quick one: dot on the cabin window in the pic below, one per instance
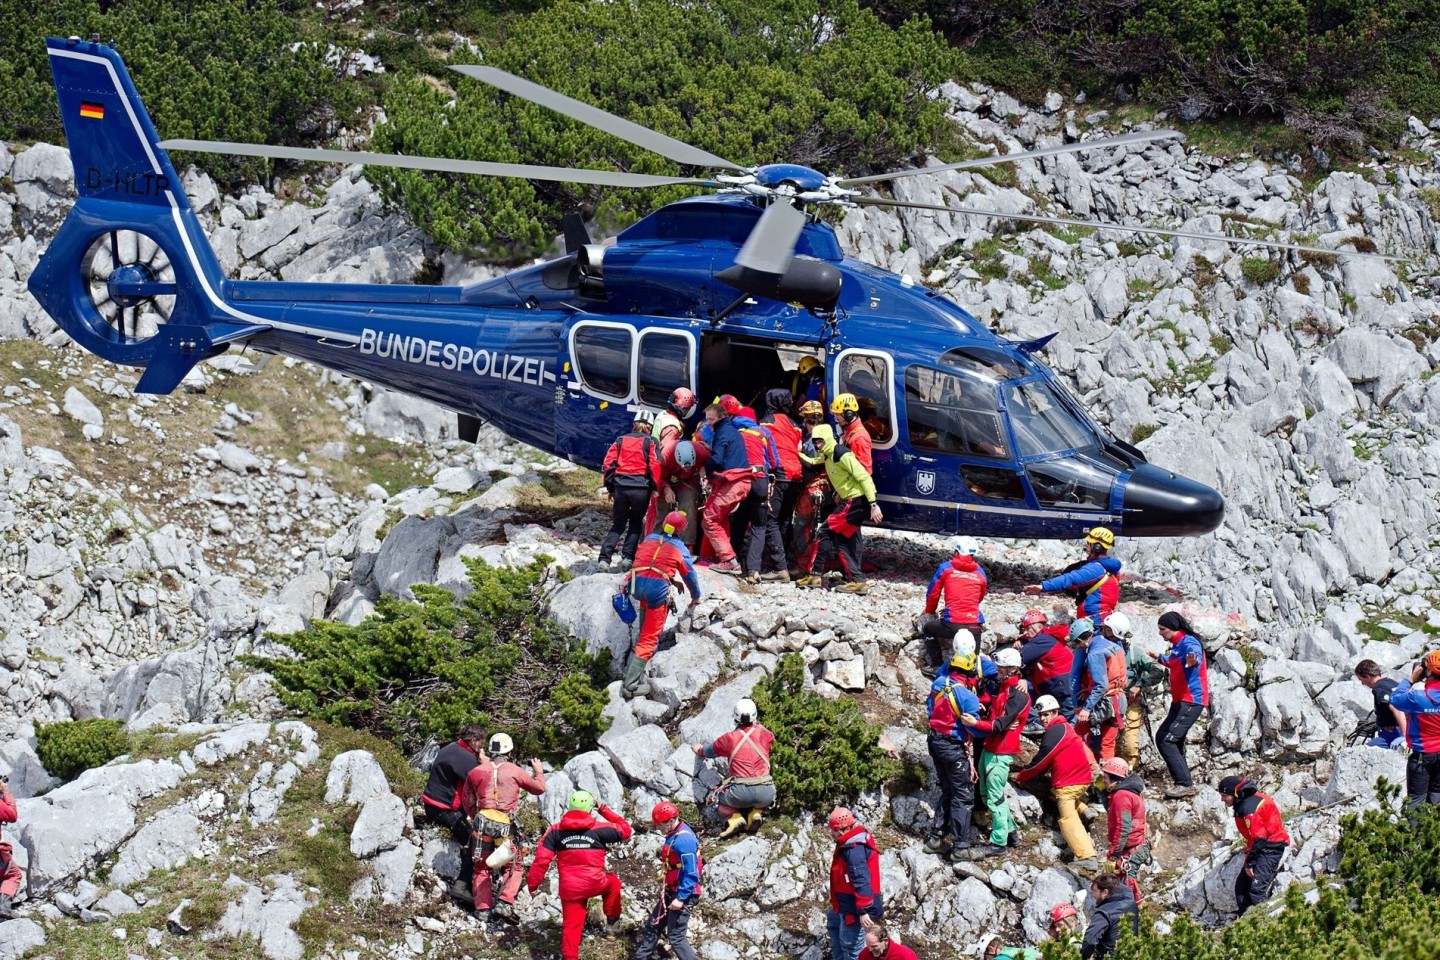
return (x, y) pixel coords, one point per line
(993, 483)
(664, 365)
(602, 358)
(1076, 482)
(984, 362)
(867, 376)
(953, 414)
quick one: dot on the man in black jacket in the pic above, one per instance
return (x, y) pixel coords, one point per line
(441, 798)
(1113, 904)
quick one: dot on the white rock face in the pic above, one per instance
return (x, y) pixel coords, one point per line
(268, 917)
(355, 776)
(167, 841)
(379, 826)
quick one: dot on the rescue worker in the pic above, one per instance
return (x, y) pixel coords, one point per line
(1064, 755)
(1141, 673)
(1098, 682)
(809, 382)
(680, 859)
(879, 946)
(1064, 923)
(1421, 707)
(948, 741)
(681, 467)
(1189, 696)
(758, 511)
(1047, 659)
(1129, 834)
(491, 799)
(441, 798)
(1094, 581)
(1114, 906)
(856, 904)
(744, 796)
(992, 947)
(730, 477)
(10, 875)
(1258, 819)
(842, 532)
(812, 504)
(1389, 722)
(661, 558)
(632, 474)
(962, 584)
(786, 485)
(578, 843)
(846, 410)
(1008, 710)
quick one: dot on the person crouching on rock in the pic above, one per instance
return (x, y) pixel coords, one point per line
(749, 787)
(661, 557)
(10, 875)
(578, 843)
(1257, 817)
(491, 798)
(681, 861)
(1128, 832)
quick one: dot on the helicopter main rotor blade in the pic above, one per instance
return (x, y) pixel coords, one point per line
(668, 147)
(1101, 144)
(483, 168)
(1118, 227)
(772, 240)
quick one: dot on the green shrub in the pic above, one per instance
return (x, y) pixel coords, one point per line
(1259, 270)
(416, 672)
(825, 752)
(69, 748)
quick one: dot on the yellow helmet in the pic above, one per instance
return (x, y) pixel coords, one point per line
(1101, 536)
(812, 408)
(845, 403)
(807, 363)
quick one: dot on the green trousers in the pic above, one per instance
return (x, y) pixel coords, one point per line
(994, 773)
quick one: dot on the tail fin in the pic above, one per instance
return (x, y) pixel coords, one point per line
(130, 276)
(113, 145)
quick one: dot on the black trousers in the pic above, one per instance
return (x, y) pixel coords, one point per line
(765, 541)
(787, 494)
(957, 790)
(674, 924)
(1170, 740)
(939, 635)
(834, 540)
(1422, 779)
(1264, 863)
(627, 516)
(459, 826)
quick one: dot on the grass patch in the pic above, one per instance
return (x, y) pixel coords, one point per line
(1371, 626)
(1221, 344)
(1301, 283)
(1045, 276)
(560, 494)
(405, 781)
(1141, 289)
(1259, 270)
(1232, 136)
(1430, 196)
(1143, 431)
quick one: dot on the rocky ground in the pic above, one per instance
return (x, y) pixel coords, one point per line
(145, 543)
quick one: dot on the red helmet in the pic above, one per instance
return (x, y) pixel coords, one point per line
(664, 812)
(1032, 617)
(747, 412)
(1061, 911)
(840, 819)
(682, 401)
(675, 522)
(1116, 767)
(729, 404)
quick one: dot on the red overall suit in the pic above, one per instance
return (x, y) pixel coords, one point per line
(494, 788)
(578, 842)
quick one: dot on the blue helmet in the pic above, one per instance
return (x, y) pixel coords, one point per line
(685, 454)
(1081, 629)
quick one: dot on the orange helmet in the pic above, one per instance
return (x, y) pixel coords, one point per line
(1061, 911)
(729, 404)
(841, 819)
(1031, 617)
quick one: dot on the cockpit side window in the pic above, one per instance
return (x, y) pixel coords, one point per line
(984, 362)
(602, 359)
(1042, 423)
(952, 414)
(868, 377)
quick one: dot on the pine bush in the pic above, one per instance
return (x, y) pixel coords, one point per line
(825, 752)
(69, 748)
(417, 672)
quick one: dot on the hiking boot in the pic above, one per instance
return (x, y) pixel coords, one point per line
(7, 908)
(728, 567)
(733, 826)
(1180, 793)
(959, 854)
(780, 576)
(460, 891)
(1089, 814)
(625, 564)
(935, 843)
(1088, 865)
(854, 586)
(809, 582)
(985, 851)
(1014, 840)
(754, 820)
(505, 912)
(612, 929)
(752, 578)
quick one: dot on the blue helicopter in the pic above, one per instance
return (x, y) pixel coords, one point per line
(724, 293)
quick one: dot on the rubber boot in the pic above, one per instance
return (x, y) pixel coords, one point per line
(7, 909)
(753, 821)
(733, 825)
(634, 684)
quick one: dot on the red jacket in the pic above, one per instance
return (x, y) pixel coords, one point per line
(893, 951)
(1258, 819)
(1126, 817)
(632, 461)
(855, 876)
(786, 433)
(748, 749)
(857, 438)
(8, 812)
(1048, 655)
(579, 843)
(497, 786)
(1064, 754)
(963, 586)
(1009, 709)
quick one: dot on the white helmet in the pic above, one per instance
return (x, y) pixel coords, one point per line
(966, 546)
(644, 416)
(500, 744)
(1008, 657)
(963, 644)
(1120, 626)
(1047, 703)
(745, 711)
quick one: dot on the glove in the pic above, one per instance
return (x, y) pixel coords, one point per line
(1400, 747)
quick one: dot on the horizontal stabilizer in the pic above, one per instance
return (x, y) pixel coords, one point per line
(179, 347)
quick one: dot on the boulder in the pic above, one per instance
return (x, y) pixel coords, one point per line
(592, 771)
(355, 776)
(20, 936)
(738, 869)
(637, 754)
(582, 606)
(719, 714)
(379, 826)
(268, 918)
(1358, 769)
(170, 839)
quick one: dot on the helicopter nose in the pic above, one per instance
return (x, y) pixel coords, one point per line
(1159, 503)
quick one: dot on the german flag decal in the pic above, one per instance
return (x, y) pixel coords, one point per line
(92, 111)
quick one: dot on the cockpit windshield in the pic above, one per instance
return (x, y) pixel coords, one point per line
(1042, 422)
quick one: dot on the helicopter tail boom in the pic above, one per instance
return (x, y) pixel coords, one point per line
(130, 275)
